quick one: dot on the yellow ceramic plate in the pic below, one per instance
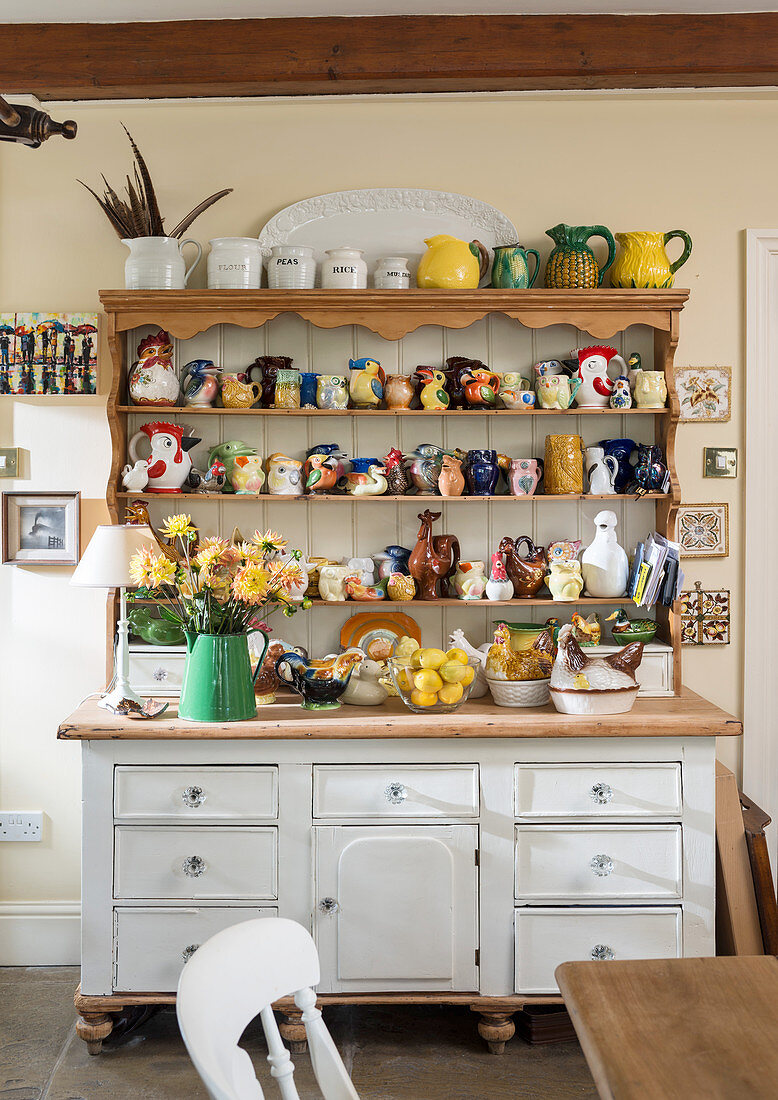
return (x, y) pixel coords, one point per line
(376, 633)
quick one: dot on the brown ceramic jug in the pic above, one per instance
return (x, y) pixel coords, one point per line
(434, 558)
(526, 573)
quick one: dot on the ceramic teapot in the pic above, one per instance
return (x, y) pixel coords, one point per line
(451, 264)
(643, 261)
(169, 463)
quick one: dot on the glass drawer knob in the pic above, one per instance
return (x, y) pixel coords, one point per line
(396, 793)
(193, 796)
(602, 865)
(328, 906)
(187, 953)
(602, 951)
(194, 866)
(601, 793)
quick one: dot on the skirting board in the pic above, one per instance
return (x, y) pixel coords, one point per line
(46, 933)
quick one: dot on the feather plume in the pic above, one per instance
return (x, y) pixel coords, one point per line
(184, 224)
(155, 218)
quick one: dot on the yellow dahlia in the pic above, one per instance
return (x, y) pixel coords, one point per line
(179, 526)
(141, 564)
(211, 549)
(250, 583)
(162, 572)
(269, 542)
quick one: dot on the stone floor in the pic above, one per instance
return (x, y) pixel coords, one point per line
(406, 1053)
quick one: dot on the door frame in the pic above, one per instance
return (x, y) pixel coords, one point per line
(760, 713)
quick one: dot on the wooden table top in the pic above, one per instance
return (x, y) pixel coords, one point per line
(677, 1029)
(685, 715)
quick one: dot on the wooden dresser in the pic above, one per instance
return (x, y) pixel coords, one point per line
(452, 859)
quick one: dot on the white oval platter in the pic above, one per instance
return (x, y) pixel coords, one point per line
(386, 221)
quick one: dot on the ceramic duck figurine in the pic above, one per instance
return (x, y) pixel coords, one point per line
(396, 477)
(237, 393)
(604, 563)
(433, 395)
(145, 624)
(451, 480)
(426, 464)
(587, 631)
(364, 689)
(534, 663)
(366, 384)
(371, 484)
(499, 587)
(356, 590)
(624, 628)
(635, 364)
(136, 478)
(200, 383)
(321, 473)
(247, 474)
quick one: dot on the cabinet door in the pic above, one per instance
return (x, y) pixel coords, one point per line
(397, 907)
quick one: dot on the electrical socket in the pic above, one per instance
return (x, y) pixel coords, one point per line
(21, 826)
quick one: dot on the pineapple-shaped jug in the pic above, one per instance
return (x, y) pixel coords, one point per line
(572, 265)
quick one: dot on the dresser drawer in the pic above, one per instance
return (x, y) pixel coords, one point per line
(582, 791)
(203, 793)
(547, 937)
(157, 670)
(152, 945)
(598, 862)
(395, 791)
(197, 863)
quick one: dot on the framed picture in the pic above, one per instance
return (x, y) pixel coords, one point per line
(703, 530)
(705, 393)
(48, 354)
(41, 528)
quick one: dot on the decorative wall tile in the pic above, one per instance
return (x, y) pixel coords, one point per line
(705, 393)
(705, 616)
(703, 530)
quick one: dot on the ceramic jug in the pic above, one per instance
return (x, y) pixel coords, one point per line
(563, 465)
(650, 389)
(470, 580)
(451, 264)
(572, 264)
(643, 261)
(602, 470)
(218, 685)
(169, 463)
(528, 572)
(596, 385)
(156, 263)
(604, 563)
(510, 269)
(482, 472)
(556, 391)
(621, 449)
(523, 476)
(399, 391)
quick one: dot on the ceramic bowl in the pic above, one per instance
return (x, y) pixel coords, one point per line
(627, 637)
(396, 666)
(519, 693)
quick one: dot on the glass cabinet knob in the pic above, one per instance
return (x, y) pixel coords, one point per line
(328, 906)
(601, 793)
(193, 797)
(396, 793)
(602, 865)
(187, 953)
(194, 866)
(602, 951)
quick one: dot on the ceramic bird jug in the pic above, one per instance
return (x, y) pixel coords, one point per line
(604, 563)
(451, 264)
(643, 261)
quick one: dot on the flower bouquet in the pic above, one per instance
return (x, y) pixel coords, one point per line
(219, 592)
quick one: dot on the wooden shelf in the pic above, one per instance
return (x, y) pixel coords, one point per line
(162, 412)
(424, 498)
(400, 605)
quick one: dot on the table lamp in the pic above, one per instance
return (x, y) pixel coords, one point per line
(106, 564)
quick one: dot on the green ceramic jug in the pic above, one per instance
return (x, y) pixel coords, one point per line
(218, 684)
(510, 270)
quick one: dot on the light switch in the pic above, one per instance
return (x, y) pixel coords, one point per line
(719, 462)
(9, 461)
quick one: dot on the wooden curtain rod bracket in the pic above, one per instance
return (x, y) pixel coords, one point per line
(28, 126)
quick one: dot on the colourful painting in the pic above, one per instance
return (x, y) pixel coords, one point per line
(48, 353)
(704, 393)
(705, 616)
(703, 530)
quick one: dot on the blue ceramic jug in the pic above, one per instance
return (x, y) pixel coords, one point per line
(482, 472)
(620, 449)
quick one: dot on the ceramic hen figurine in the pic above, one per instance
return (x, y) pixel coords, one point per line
(366, 384)
(587, 631)
(499, 586)
(593, 685)
(503, 663)
(433, 396)
(396, 477)
(321, 473)
(371, 484)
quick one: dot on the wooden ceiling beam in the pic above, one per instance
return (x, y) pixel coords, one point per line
(261, 57)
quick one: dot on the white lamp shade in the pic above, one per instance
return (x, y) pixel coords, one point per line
(106, 561)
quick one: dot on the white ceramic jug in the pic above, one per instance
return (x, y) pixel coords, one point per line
(602, 470)
(234, 263)
(604, 563)
(156, 263)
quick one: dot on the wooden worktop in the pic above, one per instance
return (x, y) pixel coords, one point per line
(686, 715)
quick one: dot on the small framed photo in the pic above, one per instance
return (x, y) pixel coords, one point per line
(41, 528)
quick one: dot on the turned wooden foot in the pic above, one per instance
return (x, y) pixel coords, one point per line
(292, 1030)
(93, 1027)
(496, 1028)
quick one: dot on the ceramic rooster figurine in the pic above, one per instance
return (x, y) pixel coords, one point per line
(371, 484)
(322, 473)
(434, 395)
(366, 385)
(499, 586)
(356, 590)
(396, 477)
(593, 685)
(504, 663)
(587, 631)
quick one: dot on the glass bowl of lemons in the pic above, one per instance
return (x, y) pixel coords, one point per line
(432, 681)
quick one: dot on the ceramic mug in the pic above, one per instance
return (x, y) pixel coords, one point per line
(234, 263)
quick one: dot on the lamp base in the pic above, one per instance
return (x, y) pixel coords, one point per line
(113, 698)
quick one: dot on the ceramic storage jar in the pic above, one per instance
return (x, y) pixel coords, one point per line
(291, 267)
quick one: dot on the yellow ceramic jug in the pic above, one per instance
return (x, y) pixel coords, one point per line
(451, 264)
(643, 261)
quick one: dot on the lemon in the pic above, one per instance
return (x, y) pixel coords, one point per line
(469, 676)
(404, 679)
(415, 660)
(450, 693)
(426, 679)
(424, 698)
(457, 654)
(454, 673)
(432, 658)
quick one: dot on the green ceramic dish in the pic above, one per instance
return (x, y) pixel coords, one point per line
(522, 634)
(627, 637)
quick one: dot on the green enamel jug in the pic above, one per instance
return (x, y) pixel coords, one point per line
(218, 683)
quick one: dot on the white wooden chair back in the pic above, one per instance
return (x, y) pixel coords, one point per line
(238, 974)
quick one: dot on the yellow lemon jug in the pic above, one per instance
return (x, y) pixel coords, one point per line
(451, 264)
